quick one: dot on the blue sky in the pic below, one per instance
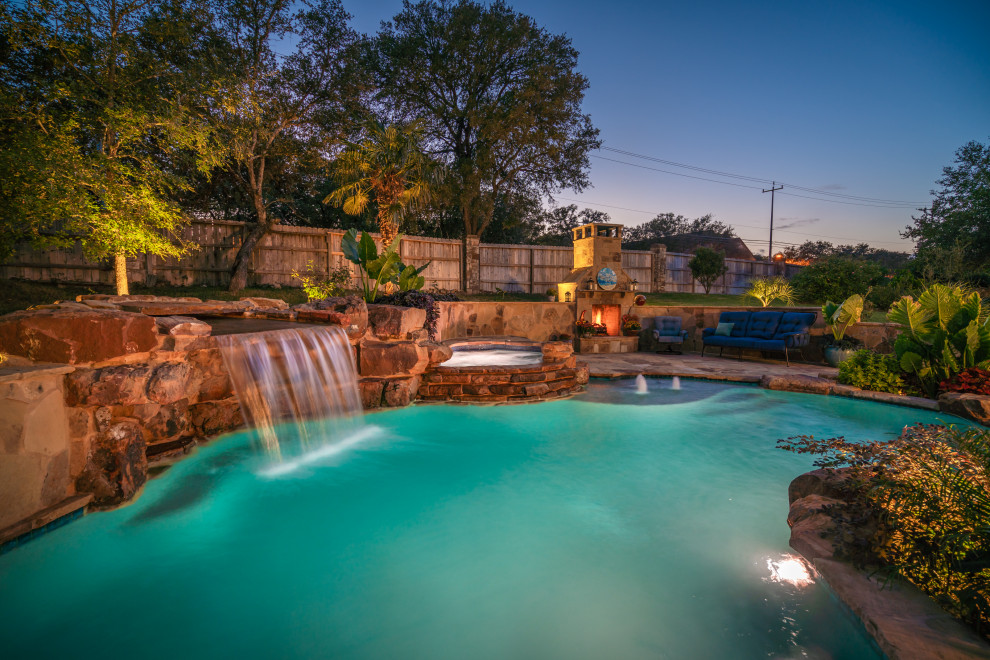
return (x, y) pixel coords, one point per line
(869, 99)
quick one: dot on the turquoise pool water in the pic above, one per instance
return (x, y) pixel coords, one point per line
(612, 525)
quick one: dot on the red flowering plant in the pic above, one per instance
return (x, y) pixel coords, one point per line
(971, 381)
(631, 325)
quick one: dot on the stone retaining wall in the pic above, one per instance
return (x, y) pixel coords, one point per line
(541, 320)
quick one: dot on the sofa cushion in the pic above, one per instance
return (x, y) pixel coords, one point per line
(724, 329)
(792, 322)
(666, 326)
(739, 321)
(762, 324)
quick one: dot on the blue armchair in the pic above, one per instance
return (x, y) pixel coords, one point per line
(667, 330)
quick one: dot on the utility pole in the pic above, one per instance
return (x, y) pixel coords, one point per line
(773, 189)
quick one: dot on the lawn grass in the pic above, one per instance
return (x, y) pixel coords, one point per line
(16, 294)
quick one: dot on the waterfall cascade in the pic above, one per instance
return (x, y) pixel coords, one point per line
(295, 383)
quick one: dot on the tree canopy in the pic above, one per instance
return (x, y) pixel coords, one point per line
(98, 136)
(499, 98)
(281, 117)
(960, 211)
(667, 227)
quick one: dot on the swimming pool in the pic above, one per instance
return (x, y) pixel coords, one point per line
(612, 525)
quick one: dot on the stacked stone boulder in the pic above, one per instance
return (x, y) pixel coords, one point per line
(140, 380)
(558, 376)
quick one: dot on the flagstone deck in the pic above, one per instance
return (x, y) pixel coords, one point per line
(692, 365)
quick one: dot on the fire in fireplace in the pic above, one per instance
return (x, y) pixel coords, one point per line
(610, 316)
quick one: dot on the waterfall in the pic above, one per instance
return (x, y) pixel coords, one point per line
(295, 383)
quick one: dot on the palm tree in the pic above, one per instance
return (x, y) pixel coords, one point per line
(389, 165)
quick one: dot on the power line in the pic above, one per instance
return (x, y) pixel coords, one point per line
(701, 178)
(788, 231)
(816, 191)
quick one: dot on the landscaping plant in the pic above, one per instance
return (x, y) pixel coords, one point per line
(928, 494)
(769, 289)
(942, 333)
(318, 288)
(631, 325)
(868, 370)
(835, 278)
(420, 300)
(971, 381)
(839, 318)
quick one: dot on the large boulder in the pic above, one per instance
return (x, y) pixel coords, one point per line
(181, 326)
(556, 351)
(403, 358)
(212, 418)
(352, 307)
(121, 385)
(169, 382)
(267, 303)
(971, 406)
(72, 336)
(393, 322)
(117, 467)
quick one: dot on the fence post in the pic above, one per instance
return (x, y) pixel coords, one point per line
(658, 264)
(531, 282)
(471, 264)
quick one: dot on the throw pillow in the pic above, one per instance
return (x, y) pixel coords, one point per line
(724, 329)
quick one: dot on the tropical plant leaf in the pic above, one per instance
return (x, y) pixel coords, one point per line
(349, 246)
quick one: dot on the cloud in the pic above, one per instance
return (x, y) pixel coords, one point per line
(794, 222)
(832, 186)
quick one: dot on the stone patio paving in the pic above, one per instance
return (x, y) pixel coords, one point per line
(692, 365)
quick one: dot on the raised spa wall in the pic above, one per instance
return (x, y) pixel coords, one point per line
(96, 390)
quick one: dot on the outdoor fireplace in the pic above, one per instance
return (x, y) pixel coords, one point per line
(609, 316)
(601, 290)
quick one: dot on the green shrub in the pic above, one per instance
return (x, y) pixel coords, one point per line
(928, 492)
(872, 371)
(707, 265)
(942, 333)
(835, 278)
(320, 288)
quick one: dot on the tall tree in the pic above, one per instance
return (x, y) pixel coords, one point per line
(280, 116)
(389, 166)
(960, 211)
(675, 231)
(94, 101)
(500, 99)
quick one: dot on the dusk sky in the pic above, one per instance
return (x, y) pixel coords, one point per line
(865, 99)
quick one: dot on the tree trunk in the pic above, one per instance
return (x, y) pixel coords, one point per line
(239, 273)
(120, 273)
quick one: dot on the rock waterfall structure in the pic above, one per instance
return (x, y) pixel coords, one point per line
(297, 387)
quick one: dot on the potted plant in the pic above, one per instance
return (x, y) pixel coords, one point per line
(838, 319)
(552, 295)
(631, 325)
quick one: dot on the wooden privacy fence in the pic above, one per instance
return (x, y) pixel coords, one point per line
(522, 268)
(735, 281)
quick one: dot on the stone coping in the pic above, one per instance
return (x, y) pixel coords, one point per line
(492, 341)
(44, 518)
(809, 379)
(904, 621)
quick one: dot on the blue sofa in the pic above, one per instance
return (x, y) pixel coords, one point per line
(764, 331)
(667, 330)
